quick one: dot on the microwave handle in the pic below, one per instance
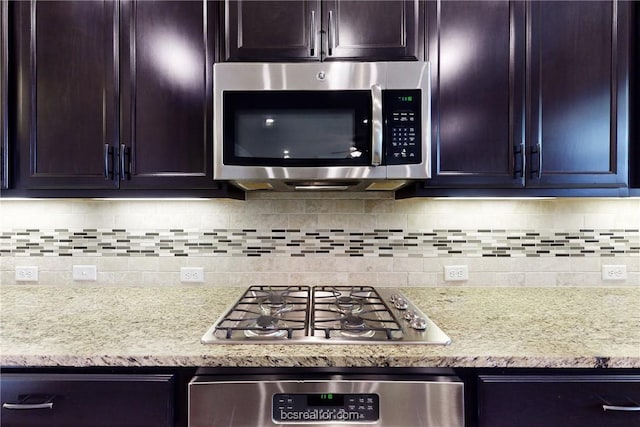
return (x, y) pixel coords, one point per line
(312, 34)
(376, 125)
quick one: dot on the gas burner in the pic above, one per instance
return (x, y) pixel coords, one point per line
(355, 326)
(266, 326)
(275, 303)
(348, 305)
(351, 303)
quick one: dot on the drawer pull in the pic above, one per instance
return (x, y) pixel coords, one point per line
(31, 401)
(45, 405)
(621, 408)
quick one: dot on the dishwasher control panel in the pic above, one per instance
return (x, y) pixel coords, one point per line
(300, 408)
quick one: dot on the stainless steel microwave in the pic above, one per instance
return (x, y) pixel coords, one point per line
(325, 125)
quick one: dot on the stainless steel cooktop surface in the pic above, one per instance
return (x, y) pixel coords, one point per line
(324, 315)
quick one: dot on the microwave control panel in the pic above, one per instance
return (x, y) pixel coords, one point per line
(403, 126)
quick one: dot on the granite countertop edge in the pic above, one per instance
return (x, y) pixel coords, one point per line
(146, 361)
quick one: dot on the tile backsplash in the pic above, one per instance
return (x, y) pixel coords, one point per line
(329, 238)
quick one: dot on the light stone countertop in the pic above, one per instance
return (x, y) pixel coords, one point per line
(162, 326)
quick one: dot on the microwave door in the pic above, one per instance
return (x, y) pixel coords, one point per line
(296, 129)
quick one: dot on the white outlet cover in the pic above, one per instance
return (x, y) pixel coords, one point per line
(192, 274)
(85, 273)
(26, 273)
(614, 272)
(455, 273)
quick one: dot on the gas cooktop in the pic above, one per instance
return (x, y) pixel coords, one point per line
(324, 315)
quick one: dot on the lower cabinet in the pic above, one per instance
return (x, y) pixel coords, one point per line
(558, 400)
(87, 400)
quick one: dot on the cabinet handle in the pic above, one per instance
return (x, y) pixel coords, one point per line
(331, 36)
(108, 152)
(537, 149)
(376, 125)
(123, 152)
(31, 401)
(312, 35)
(23, 406)
(621, 408)
(523, 162)
(539, 146)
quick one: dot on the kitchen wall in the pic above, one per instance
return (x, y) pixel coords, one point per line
(327, 238)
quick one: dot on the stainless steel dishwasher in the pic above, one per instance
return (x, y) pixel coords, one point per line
(326, 400)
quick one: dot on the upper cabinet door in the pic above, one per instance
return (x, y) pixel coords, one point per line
(578, 85)
(378, 30)
(272, 30)
(4, 62)
(166, 94)
(313, 30)
(65, 75)
(476, 52)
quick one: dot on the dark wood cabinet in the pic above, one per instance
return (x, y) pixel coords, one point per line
(529, 94)
(87, 400)
(4, 96)
(324, 30)
(634, 89)
(66, 77)
(558, 400)
(578, 93)
(477, 51)
(114, 95)
(166, 94)
(271, 30)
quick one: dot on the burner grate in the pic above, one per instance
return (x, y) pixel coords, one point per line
(353, 312)
(268, 312)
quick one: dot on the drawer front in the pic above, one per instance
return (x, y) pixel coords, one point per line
(86, 400)
(550, 400)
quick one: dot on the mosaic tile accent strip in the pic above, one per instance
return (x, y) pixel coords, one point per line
(314, 243)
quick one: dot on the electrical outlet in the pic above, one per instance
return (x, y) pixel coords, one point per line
(453, 273)
(26, 274)
(192, 274)
(86, 273)
(614, 272)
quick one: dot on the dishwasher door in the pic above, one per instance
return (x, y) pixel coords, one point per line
(339, 401)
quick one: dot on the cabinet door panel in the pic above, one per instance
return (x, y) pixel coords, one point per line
(88, 400)
(373, 30)
(272, 30)
(579, 100)
(477, 60)
(65, 73)
(4, 96)
(166, 95)
(567, 401)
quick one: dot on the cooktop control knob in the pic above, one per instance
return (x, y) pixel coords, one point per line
(410, 315)
(419, 323)
(401, 303)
